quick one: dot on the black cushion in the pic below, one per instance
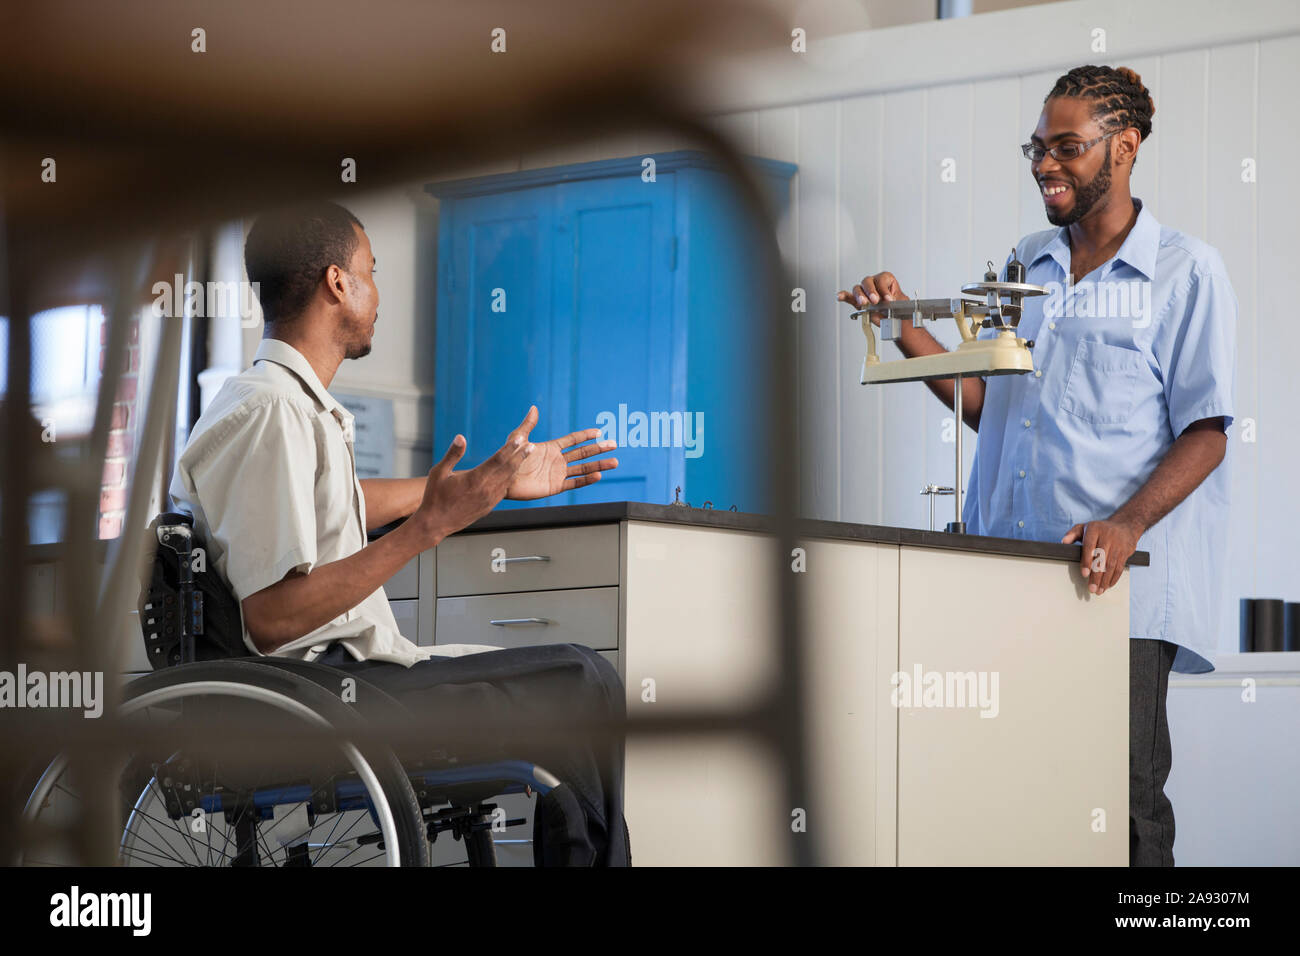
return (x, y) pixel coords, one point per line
(215, 617)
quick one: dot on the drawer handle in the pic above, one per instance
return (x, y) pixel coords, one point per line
(520, 620)
(531, 557)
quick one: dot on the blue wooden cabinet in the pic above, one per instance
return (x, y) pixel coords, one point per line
(608, 299)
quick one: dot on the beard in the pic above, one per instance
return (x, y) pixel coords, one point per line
(1085, 196)
(358, 345)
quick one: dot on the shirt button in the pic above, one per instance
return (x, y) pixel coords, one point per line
(1026, 422)
(1051, 325)
(1020, 524)
(1022, 473)
(1038, 373)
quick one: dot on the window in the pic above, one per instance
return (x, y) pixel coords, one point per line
(65, 366)
(65, 374)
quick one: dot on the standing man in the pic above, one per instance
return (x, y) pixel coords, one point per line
(1116, 438)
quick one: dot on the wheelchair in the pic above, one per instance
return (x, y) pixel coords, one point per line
(309, 803)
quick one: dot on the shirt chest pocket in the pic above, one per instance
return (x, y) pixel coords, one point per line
(1102, 383)
(337, 507)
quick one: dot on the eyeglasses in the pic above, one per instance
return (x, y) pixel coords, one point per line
(1063, 153)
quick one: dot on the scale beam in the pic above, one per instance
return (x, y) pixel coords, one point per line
(990, 304)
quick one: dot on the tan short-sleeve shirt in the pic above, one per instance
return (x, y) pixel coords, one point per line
(269, 474)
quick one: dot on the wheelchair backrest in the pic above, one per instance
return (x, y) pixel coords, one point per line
(187, 610)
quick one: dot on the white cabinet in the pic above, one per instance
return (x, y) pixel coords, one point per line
(1236, 769)
(1021, 759)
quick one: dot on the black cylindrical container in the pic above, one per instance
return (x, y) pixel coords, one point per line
(1268, 625)
(1291, 626)
(1247, 639)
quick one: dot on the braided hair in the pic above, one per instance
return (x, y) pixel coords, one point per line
(1119, 100)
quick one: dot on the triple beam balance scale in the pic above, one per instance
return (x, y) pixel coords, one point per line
(988, 304)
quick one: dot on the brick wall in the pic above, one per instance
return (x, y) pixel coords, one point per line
(121, 435)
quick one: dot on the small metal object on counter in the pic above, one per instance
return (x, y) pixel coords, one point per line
(956, 525)
(679, 503)
(933, 490)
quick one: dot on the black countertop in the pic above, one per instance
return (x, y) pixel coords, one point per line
(522, 519)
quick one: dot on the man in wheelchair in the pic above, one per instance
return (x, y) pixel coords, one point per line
(269, 476)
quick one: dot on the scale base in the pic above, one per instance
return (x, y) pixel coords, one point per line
(1005, 355)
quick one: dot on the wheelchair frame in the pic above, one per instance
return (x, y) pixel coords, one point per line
(378, 783)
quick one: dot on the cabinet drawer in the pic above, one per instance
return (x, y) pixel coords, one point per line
(587, 616)
(407, 615)
(542, 560)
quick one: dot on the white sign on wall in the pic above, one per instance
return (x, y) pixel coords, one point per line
(374, 442)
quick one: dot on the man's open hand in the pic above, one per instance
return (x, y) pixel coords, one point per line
(456, 499)
(1107, 545)
(551, 468)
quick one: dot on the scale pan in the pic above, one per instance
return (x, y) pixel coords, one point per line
(981, 289)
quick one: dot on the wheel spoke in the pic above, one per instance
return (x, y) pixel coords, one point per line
(360, 815)
(267, 831)
(141, 855)
(181, 831)
(329, 838)
(340, 860)
(151, 826)
(163, 836)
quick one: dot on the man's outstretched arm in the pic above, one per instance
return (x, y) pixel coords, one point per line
(451, 500)
(555, 466)
(388, 499)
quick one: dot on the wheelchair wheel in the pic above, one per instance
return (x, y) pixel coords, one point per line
(335, 805)
(473, 833)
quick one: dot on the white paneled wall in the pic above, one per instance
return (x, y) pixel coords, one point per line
(868, 118)
(1268, 378)
(869, 196)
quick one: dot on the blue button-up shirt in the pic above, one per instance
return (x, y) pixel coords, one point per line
(1124, 361)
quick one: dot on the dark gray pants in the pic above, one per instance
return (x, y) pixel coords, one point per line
(578, 824)
(1151, 815)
